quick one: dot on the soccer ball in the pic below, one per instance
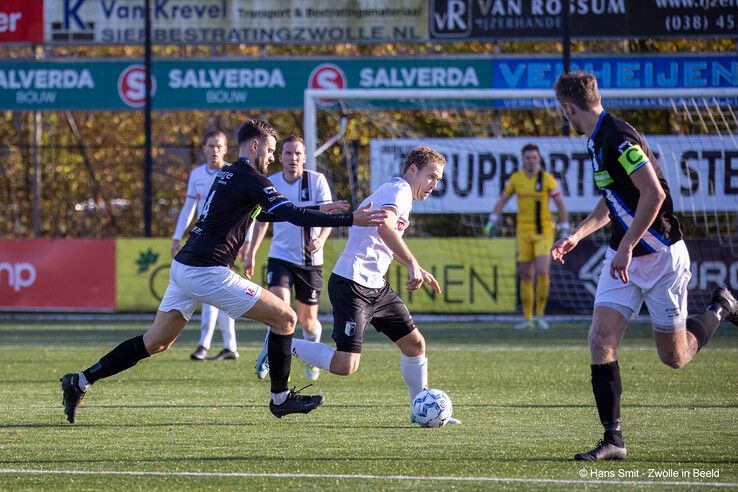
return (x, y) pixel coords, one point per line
(432, 408)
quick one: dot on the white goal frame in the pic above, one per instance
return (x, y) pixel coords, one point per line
(312, 96)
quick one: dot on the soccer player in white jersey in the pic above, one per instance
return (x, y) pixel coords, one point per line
(201, 179)
(358, 290)
(296, 253)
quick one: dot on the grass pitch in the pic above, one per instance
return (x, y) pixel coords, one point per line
(524, 399)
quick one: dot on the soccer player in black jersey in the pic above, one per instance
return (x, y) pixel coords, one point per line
(201, 272)
(647, 260)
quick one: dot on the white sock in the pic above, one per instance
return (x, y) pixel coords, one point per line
(209, 315)
(315, 335)
(83, 384)
(228, 330)
(415, 372)
(314, 354)
(279, 398)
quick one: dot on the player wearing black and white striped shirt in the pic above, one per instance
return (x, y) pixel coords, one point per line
(296, 253)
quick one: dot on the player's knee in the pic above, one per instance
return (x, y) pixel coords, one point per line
(157, 346)
(415, 347)
(601, 345)
(306, 322)
(672, 359)
(285, 322)
(344, 367)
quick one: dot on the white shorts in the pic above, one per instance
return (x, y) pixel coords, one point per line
(218, 286)
(659, 278)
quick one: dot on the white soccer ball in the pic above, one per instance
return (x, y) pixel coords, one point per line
(432, 408)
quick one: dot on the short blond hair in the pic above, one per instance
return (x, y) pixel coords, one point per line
(421, 156)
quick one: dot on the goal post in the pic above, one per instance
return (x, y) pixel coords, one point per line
(692, 131)
(545, 97)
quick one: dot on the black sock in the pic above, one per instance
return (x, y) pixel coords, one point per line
(607, 389)
(122, 357)
(703, 326)
(280, 360)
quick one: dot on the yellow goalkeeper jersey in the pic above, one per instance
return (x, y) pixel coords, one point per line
(534, 194)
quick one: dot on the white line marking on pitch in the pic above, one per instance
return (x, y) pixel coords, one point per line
(12, 471)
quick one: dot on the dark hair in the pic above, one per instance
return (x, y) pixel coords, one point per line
(421, 156)
(211, 134)
(531, 147)
(256, 129)
(579, 88)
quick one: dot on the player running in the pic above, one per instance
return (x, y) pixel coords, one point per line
(201, 272)
(359, 293)
(534, 235)
(201, 178)
(296, 253)
(647, 260)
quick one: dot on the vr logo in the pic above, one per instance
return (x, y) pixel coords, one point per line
(450, 18)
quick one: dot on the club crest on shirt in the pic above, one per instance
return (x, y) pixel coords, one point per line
(350, 328)
(304, 194)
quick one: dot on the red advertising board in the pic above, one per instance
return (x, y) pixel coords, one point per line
(21, 21)
(57, 274)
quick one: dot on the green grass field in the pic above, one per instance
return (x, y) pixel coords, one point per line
(524, 399)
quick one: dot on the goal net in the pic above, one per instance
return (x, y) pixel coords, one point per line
(693, 133)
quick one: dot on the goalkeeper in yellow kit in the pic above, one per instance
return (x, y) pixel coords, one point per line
(534, 188)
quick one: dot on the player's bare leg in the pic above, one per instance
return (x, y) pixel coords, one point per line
(605, 334)
(279, 316)
(307, 317)
(262, 359)
(678, 348)
(162, 334)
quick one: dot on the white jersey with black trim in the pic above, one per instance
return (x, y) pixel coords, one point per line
(366, 258)
(198, 185)
(290, 242)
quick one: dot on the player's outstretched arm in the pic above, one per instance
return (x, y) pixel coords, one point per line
(597, 219)
(337, 206)
(309, 217)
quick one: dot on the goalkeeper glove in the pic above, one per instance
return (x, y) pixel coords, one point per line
(564, 229)
(489, 228)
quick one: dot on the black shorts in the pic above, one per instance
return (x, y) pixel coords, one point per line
(355, 306)
(308, 282)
